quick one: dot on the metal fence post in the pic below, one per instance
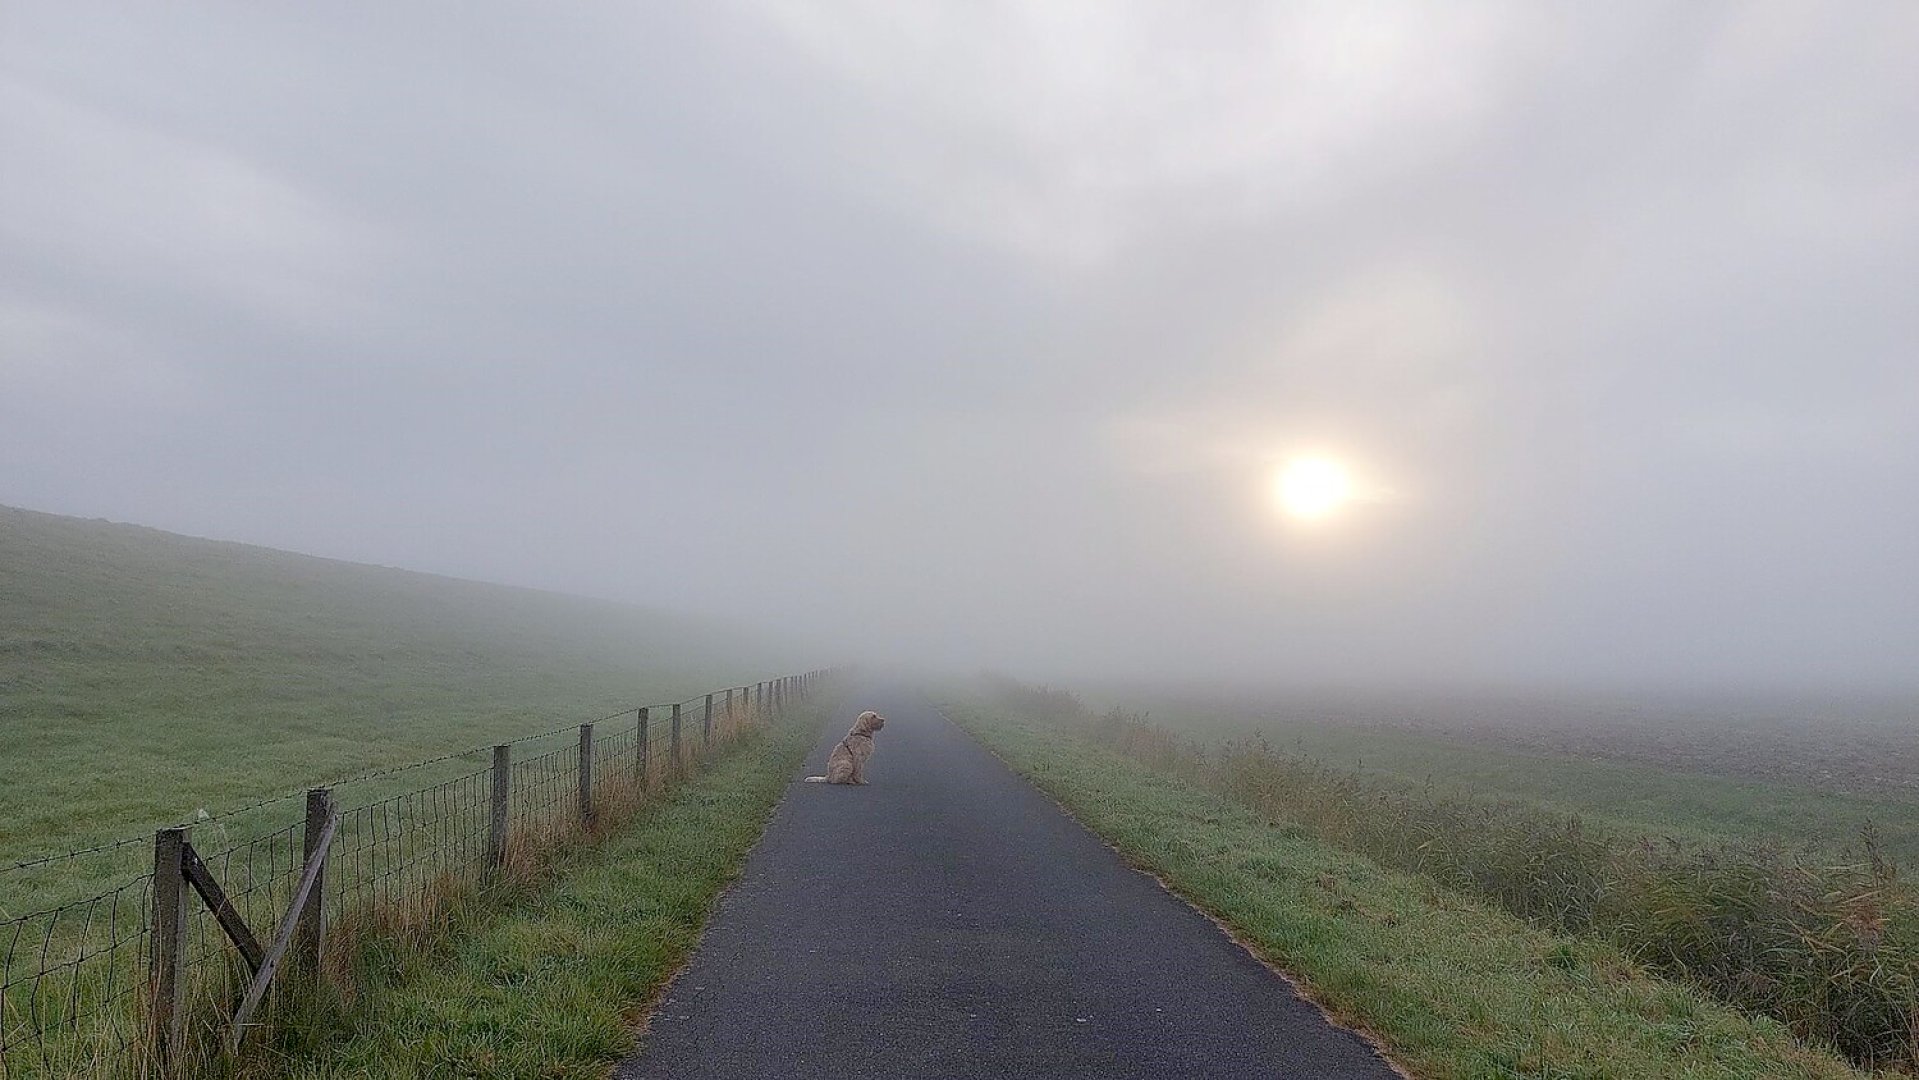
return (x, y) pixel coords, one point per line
(586, 774)
(677, 761)
(496, 828)
(706, 723)
(167, 966)
(311, 942)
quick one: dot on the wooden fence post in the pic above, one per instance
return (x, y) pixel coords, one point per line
(706, 724)
(496, 829)
(311, 942)
(586, 774)
(639, 751)
(677, 760)
(732, 719)
(167, 966)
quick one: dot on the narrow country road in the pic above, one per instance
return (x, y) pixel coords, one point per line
(949, 921)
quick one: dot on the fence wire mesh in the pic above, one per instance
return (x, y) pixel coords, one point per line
(76, 928)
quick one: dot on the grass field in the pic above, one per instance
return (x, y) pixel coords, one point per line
(148, 679)
(553, 984)
(145, 675)
(1763, 896)
(1454, 987)
(1702, 771)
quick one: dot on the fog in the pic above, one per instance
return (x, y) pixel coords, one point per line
(975, 333)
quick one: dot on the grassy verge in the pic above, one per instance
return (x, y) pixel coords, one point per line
(552, 985)
(1453, 986)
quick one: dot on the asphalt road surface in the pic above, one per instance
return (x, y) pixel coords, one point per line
(947, 920)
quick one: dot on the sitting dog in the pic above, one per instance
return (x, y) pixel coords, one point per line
(847, 763)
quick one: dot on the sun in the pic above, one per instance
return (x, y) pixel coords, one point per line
(1313, 488)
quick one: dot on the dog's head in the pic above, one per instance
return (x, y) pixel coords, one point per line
(868, 723)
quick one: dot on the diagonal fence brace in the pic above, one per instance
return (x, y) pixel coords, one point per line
(230, 921)
(270, 964)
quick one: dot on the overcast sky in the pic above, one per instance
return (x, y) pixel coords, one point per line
(977, 331)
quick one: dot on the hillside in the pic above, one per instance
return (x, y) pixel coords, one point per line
(145, 674)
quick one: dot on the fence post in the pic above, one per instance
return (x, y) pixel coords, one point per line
(677, 760)
(586, 774)
(706, 724)
(732, 719)
(311, 941)
(496, 829)
(167, 967)
(639, 751)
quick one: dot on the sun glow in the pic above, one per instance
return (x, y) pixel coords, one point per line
(1313, 488)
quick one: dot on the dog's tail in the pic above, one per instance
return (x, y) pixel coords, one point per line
(816, 779)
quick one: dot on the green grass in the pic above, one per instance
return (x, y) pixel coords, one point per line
(1634, 797)
(1454, 987)
(145, 675)
(554, 984)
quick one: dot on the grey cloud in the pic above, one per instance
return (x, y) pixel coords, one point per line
(972, 332)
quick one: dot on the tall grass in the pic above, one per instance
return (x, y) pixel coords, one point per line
(1828, 947)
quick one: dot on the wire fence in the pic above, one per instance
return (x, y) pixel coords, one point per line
(88, 988)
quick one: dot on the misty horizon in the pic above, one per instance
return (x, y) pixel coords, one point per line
(980, 336)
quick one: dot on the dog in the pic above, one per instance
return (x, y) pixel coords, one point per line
(847, 763)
